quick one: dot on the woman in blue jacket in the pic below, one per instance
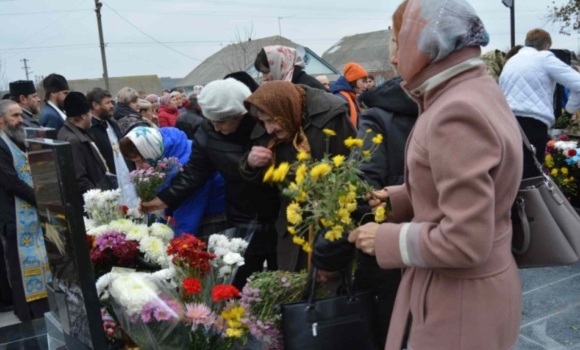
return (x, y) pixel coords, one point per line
(202, 213)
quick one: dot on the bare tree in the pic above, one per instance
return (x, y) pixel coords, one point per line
(567, 15)
(241, 52)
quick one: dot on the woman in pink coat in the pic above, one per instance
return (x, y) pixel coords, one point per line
(450, 226)
(168, 110)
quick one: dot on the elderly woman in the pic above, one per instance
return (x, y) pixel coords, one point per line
(291, 119)
(146, 111)
(284, 63)
(169, 109)
(126, 111)
(450, 226)
(154, 100)
(200, 214)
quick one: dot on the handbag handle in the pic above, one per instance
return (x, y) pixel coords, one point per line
(533, 150)
(310, 289)
(521, 205)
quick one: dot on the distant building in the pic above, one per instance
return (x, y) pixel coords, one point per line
(241, 57)
(148, 83)
(370, 50)
(169, 83)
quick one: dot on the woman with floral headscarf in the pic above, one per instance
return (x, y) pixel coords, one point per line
(202, 213)
(291, 119)
(450, 226)
(281, 63)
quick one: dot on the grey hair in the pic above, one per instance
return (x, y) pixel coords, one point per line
(144, 105)
(127, 95)
(4, 105)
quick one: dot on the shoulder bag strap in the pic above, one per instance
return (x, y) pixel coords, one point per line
(531, 148)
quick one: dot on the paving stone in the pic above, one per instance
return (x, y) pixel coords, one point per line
(560, 331)
(534, 278)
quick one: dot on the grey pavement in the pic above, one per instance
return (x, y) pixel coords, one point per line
(551, 308)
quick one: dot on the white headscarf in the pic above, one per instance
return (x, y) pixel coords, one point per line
(282, 61)
(149, 143)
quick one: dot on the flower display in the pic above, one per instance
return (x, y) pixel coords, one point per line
(103, 206)
(191, 285)
(112, 249)
(148, 182)
(562, 163)
(223, 292)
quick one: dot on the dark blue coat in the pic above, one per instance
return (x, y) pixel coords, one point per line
(50, 118)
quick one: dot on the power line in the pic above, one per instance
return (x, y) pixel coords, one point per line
(41, 13)
(150, 37)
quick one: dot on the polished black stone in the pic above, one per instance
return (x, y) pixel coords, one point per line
(36, 343)
(18, 332)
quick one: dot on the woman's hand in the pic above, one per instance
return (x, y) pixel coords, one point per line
(259, 157)
(154, 205)
(364, 237)
(378, 198)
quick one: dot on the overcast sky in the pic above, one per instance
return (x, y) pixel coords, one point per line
(61, 35)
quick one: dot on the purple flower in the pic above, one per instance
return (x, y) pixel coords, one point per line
(162, 314)
(162, 165)
(109, 240)
(146, 316)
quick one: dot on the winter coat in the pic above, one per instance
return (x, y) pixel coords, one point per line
(50, 118)
(99, 135)
(392, 114)
(529, 79)
(207, 200)
(11, 186)
(167, 116)
(299, 77)
(451, 227)
(127, 118)
(28, 120)
(189, 122)
(323, 111)
(213, 151)
(339, 89)
(89, 167)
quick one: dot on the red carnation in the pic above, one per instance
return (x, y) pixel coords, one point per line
(191, 285)
(572, 152)
(125, 209)
(126, 253)
(223, 292)
(190, 252)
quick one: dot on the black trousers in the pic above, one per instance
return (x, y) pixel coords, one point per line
(5, 289)
(537, 133)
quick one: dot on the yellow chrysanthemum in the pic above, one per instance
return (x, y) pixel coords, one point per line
(344, 216)
(234, 333)
(351, 143)
(554, 172)
(351, 207)
(281, 172)
(366, 153)
(306, 248)
(320, 170)
(564, 171)
(380, 214)
(329, 132)
(326, 223)
(302, 156)
(338, 160)
(291, 230)
(549, 161)
(351, 187)
(377, 140)
(294, 214)
(268, 174)
(298, 240)
(337, 230)
(301, 197)
(369, 131)
(329, 236)
(351, 197)
(301, 173)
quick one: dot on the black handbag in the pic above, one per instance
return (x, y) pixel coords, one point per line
(343, 322)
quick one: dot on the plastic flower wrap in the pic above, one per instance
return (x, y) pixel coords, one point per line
(150, 311)
(324, 193)
(103, 206)
(149, 182)
(563, 164)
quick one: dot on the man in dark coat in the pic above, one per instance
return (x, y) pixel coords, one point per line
(52, 115)
(190, 121)
(24, 93)
(392, 114)
(219, 146)
(12, 186)
(90, 167)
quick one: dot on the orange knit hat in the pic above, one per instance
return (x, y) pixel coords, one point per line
(354, 72)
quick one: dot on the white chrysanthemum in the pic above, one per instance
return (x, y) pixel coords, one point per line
(121, 226)
(133, 291)
(165, 274)
(221, 252)
(134, 214)
(89, 224)
(225, 271)
(238, 245)
(217, 241)
(233, 259)
(137, 233)
(154, 249)
(99, 230)
(103, 284)
(566, 145)
(161, 231)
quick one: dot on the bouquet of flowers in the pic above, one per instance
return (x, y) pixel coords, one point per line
(104, 206)
(112, 249)
(324, 192)
(148, 182)
(150, 311)
(563, 164)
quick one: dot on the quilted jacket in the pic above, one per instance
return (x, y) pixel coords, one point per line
(529, 80)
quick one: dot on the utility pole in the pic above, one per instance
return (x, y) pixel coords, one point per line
(99, 5)
(512, 5)
(26, 68)
(279, 26)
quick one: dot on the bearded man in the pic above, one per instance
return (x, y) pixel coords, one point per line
(52, 115)
(105, 132)
(24, 93)
(20, 230)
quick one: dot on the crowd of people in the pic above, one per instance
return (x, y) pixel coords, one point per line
(448, 169)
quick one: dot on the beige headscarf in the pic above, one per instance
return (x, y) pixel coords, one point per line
(282, 61)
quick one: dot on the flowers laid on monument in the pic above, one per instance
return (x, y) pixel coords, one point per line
(148, 182)
(324, 193)
(563, 164)
(104, 206)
